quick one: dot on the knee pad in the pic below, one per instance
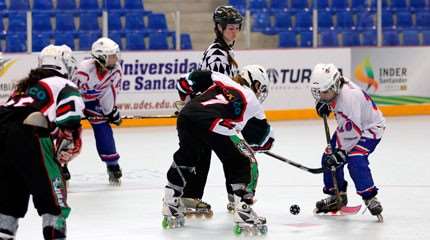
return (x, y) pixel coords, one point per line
(54, 227)
(8, 227)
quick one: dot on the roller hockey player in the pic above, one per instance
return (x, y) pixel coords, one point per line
(99, 80)
(360, 128)
(213, 119)
(218, 57)
(42, 102)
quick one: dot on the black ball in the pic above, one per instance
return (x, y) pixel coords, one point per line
(294, 209)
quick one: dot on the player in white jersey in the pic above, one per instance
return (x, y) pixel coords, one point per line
(99, 80)
(213, 118)
(360, 128)
(44, 105)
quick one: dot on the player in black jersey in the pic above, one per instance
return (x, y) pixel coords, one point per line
(218, 57)
(213, 119)
(43, 103)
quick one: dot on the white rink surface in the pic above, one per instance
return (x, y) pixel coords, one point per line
(400, 166)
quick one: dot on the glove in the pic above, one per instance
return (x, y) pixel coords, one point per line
(68, 144)
(337, 158)
(114, 117)
(184, 88)
(265, 147)
(323, 109)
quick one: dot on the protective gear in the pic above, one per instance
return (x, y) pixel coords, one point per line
(335, 159)
(323, 109)
(257, 79)
(68, 144)
(58, 58)
(114, 117)
(330, 204)
(184, 86)
(325, 77)
(224, 15)
(102, 49)
(374, 206)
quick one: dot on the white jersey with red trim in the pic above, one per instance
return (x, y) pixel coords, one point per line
(94, 86)
(357, 116)
(252, 107)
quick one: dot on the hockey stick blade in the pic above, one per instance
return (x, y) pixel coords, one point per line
(297, 165)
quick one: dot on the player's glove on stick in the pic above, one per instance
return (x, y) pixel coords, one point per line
(68, 144)
(114, 117)
(322, 109)
(337, 158)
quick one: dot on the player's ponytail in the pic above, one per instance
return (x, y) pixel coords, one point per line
(33, 77)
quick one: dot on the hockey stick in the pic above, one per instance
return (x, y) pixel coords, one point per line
(100, 118)
(333, 168)
(297, 165)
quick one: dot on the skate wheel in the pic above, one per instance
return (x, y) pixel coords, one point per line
(263, 229)
(237, 230)
(165, 223)
(209, 214)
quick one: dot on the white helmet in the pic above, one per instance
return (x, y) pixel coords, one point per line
(325, 77)
(102, 48)
(257, 79)
(58, 58)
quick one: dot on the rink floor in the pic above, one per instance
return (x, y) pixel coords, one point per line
(132, 211)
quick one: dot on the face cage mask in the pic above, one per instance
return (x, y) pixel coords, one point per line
(262, 93)
(316, 92)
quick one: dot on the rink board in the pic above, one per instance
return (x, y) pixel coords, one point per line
(394, 77)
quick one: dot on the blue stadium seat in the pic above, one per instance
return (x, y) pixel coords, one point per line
(1, 24)
(185, 41)
(350, 38)
(240, 5)
(16, 42)
(65, 21)
(387, 19)
(345, 19)
(357, 5)
(278, 5)
(42, 5)
(299, 4)
(423, 19)
(157, 21)
(417, 5)
(398, 4)
(287, 40)
(2, 5)
(426, 37)
(385, 4)
(323, 4)
(113, 4)
(257, 5)
(67, 38)
(40, 40)
(86, 39)
(404, 19)
(17, 22)
(133, 4)
(411, 38)
(339, 4)
(261, 22)
(329, 39)
(116, 36)
(66, 4)
(390, 38)
(135, 40)
(89, 21)
(134, 21)
(366, 20)
(42, 22)
(303, 20)
(158, 41)
(306, 39)
(19, 5)
(325, 20)
(114, 21)
(282, 22)
(369, 38)
(89, 5)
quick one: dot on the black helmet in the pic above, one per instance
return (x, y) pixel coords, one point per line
(224, 15)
